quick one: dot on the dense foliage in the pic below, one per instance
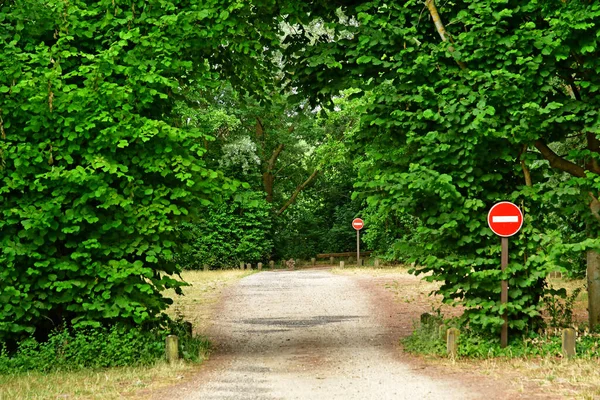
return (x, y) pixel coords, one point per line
(128, 127)
(73, 349)
(95, 164)
(229, 233)
(456, 120)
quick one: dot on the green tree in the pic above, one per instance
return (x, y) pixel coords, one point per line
(96, 167)
(455, 115)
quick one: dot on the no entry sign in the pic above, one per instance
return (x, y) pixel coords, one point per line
(505, 219)
(358, 224)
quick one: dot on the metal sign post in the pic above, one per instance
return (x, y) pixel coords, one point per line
(358, 224)
(357, 248)
(504, 292)
(505, 219)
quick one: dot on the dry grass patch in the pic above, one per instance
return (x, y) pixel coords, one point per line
(556, 377)
(372, 271)
(199, 299)
(580, 305)
(111, 383)
(406, 288)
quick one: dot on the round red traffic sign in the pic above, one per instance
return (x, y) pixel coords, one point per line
(358, 224)
(505, 219)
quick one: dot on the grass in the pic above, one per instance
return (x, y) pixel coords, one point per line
(581, 303)
(198, 300)
(111, 383)
(577, 378)
(197, 305)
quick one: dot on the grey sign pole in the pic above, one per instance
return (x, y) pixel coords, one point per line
(357, 248)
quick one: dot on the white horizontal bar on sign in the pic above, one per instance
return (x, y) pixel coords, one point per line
(506, 218)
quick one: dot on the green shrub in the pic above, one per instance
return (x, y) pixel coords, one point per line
(425, 339)
(237, 230)
(72, 349)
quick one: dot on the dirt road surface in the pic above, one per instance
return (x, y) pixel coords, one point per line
(311, 334)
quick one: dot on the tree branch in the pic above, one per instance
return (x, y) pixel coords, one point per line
(274, 156)
(437, 20)
(297, 191)
(268, 177)
(593, 144)
(557, 161)
(525, 168)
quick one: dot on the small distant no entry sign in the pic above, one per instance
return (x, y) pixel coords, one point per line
(358, 224)
(505, 219)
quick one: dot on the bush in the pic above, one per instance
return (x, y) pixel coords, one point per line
(425, 339)
(72, 349)
(234, 231)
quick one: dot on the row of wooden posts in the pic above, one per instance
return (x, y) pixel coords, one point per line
(313, 262)
(452, 340)
(452, 335)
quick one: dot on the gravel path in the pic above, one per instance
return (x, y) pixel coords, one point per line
(307, 335)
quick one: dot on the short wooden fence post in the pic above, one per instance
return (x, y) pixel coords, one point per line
(259, 266)
(377, 263)
(248, 266)
(313, 261)
(331, 260)
(568, 342)
(341, 264)
(242, 265)
(272, 264)
(452, 341)
(205, 267)
(172, 348)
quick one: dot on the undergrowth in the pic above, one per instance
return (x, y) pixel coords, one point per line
(73, 349)
(428, 338)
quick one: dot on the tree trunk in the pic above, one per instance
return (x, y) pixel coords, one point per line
(297, 191)
(593, 271)
(593, 280)
(268, 177)
(437, 20)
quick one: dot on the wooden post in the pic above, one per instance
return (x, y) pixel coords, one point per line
(172, 348)
(359, 263)
(568, 342)
(504, 293)
(272, 264)
(259, 266)
(248, 266)
(341, 264)
(205, 267)
(452, 341)
(242, 265)
(377, 263)
(331, 260)
(313, 261)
